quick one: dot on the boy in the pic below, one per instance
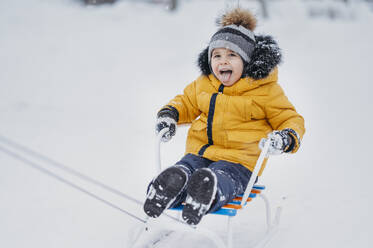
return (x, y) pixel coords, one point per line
(232, 107)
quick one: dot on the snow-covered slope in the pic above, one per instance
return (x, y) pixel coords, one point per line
(81, 85)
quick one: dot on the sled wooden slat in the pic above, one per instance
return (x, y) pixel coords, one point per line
(231, 208)
(259, 187)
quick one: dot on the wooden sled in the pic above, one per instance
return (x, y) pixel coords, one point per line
(234, 208)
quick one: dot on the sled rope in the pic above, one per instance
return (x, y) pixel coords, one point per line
(71, 171)
(55, 176)
(66, 169)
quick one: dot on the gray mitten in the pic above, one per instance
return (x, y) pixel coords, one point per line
(167, 118)
(280, 142)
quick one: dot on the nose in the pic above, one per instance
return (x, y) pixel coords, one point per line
(224, 60)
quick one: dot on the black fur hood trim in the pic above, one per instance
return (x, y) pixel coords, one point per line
(266, 56)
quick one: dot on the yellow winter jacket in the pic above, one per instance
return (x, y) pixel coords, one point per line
(228, 122)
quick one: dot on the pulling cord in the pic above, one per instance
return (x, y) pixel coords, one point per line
(66, 169)
(73, 172)
(51, 174)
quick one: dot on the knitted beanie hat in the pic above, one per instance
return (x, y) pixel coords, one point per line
(236, 33)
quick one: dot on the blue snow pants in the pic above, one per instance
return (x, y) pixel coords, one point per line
(232, 178)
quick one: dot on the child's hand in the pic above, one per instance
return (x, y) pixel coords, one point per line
(281, 142)
(167, 118)
(166, 122)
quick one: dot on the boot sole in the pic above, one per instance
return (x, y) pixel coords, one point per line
(201, 192)
(165, 188)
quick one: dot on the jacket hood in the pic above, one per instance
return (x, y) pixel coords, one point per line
(266, 56)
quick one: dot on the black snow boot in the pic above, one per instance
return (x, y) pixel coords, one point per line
(164, 189)
(201, 192)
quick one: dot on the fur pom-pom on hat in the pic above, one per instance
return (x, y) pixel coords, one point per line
(236, 33)
(239, 17)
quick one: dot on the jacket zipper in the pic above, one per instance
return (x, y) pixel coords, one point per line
(210, 119)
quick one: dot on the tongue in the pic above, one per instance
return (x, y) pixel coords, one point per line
(225, 76)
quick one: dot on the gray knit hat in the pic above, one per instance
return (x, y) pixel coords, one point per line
(235, 38)
(236, 34)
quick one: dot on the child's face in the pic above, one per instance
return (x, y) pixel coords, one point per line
(226, 65)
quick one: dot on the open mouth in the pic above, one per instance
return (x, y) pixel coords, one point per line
(225, 75)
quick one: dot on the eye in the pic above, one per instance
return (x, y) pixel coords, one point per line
(216, 56)
(233, 55)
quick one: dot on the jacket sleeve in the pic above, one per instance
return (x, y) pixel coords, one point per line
(282, 115)
(186, 104)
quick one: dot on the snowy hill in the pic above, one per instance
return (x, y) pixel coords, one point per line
(81, 85)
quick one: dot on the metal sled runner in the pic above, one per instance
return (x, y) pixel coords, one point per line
(232, 209)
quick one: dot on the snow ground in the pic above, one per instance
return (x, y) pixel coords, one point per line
(81, 85)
